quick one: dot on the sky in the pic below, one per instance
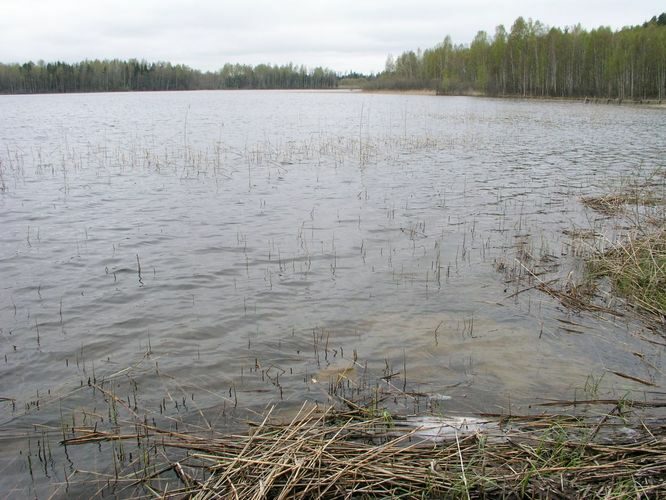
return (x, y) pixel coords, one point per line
(343, 35)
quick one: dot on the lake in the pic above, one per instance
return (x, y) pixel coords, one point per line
(208, 254)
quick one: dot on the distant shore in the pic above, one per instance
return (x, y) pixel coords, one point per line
(653, 102)
(404, 92)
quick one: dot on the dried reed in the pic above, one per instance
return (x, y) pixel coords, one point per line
(334, 454)
(636, 267)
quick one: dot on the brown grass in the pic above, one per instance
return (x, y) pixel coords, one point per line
(615, 203)
(342, 454)
(636, 267)
(635, 264)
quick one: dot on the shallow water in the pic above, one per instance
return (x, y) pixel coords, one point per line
(224, 249)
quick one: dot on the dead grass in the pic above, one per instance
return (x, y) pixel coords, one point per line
(634, 263)
(646, 194)
(349, 454)
(636, 267)
(607, 204)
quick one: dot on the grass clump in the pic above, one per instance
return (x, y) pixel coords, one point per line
(615, 203)
(636, 267)
(610, 204)
(642, 191)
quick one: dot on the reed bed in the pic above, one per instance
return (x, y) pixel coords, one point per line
(331, 453)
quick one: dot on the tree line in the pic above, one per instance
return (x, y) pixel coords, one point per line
(529, 60)
(534, 60)
(134, 75)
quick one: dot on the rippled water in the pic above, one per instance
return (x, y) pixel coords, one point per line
(237, 249)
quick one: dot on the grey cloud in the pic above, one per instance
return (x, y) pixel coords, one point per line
(207, 33)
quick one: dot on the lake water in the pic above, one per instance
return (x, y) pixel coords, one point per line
(207, 252)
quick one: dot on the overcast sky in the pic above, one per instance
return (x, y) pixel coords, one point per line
(343, 35)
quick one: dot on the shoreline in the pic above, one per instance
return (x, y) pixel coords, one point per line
(654, 103)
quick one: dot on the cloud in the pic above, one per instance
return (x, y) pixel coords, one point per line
(341, 34)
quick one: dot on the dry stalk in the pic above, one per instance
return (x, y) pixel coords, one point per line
(334, 454)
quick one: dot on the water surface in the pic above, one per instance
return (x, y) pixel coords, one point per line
(213, 250)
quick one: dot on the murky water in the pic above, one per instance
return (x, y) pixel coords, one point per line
(214, 250)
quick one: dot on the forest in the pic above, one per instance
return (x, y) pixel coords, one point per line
(530, 59)
(134, 75)
(534, 60)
